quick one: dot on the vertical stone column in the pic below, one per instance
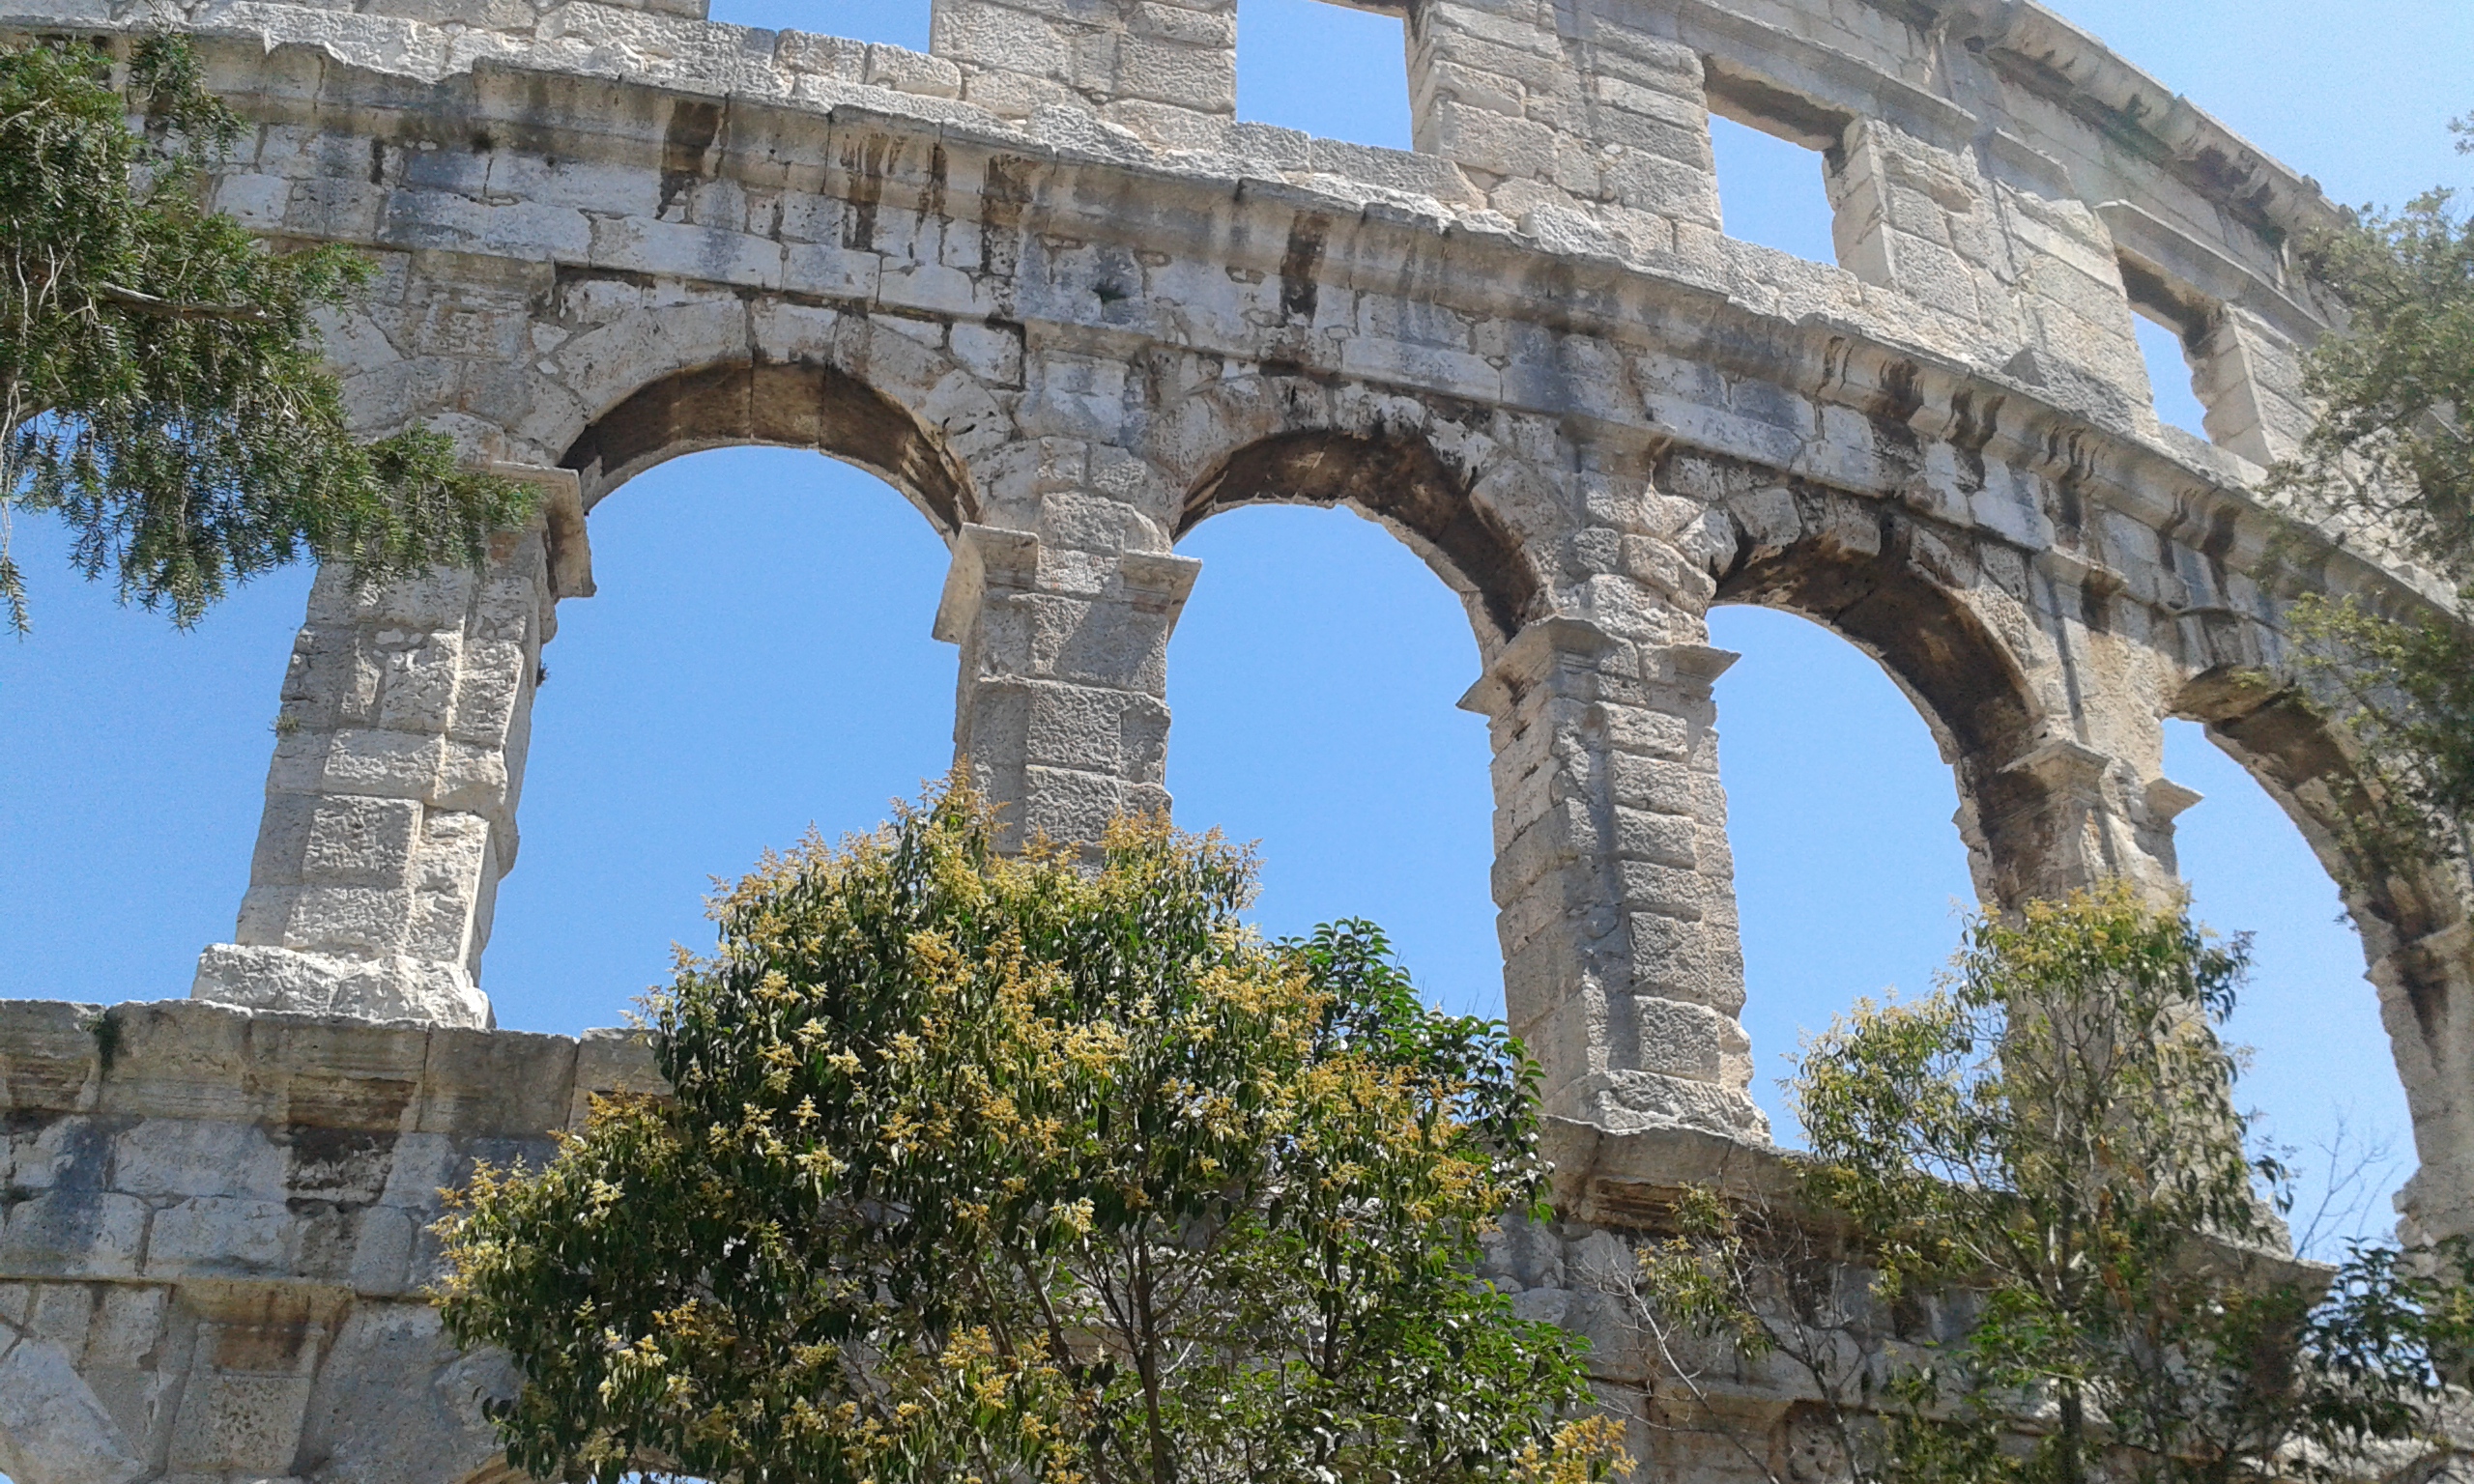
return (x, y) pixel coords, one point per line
(1574, 108)
(1165, 69)
(2250, 378)
(2066, 817)
(1061, 708)
(390, 803)
(2077, 796)
(1622, 967)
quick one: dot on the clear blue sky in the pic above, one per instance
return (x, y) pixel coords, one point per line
(757, 660)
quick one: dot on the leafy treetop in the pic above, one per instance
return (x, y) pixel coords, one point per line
(2392, 443)
(981, 1168)
(2075, 1277)
(160, 384)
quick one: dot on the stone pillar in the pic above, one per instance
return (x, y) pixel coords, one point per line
(2250, 378)
(1622, 969)
(1061, 709)
(2065, 816)
(2016, 269)
(1567, 108)
(1165, 69)
(391, 804)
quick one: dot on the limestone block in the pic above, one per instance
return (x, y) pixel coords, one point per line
(396, 1404)
(220, 1237)
(61, 1313)
(1677, 1039)
(70, 1232)
(127, 1325)
(497, 1079)
(360, 842)
(47, 1053)
(613, 1063)
(247, 1394)
(911, 72)
(179, 1156)
(491, 683)
(391, 988)
(977, 33)
(52, 1428)
(383, 764)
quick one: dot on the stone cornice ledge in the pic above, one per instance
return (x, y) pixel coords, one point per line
(2087, 74)
(196, 1059)
(1632, 1180)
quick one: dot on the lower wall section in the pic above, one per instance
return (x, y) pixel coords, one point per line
(215, 1247)
(214, 1238)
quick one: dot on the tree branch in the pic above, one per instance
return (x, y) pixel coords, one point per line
(150, 305)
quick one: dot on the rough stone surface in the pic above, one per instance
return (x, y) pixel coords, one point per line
(1044, 282)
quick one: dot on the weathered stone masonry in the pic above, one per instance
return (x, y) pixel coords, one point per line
(1041, 281)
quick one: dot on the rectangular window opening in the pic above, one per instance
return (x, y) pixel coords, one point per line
(1333, 70)
(2170, 322)
(900, 23)
(1773, 172)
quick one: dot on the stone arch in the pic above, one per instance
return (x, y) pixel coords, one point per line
(649, 381)
(1430, 478)
(2417, 942)
(803, 404)
(1877, 578)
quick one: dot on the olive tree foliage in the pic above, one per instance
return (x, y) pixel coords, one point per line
(2393, 443)
(160, 384)
(980, 1168)
(2028, 1245)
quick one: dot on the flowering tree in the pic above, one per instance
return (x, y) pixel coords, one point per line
(981, 1168)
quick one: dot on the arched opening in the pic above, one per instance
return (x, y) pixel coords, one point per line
(1397, 480)
(138, 764)
(756, 662)
(2322, 1074)
(800, 404)
(1862, 573)
(1869, 733)
(1314, 676)
(2413, 934)
(1849, 875)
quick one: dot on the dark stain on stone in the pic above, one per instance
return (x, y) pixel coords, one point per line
(338, 1163)
(1974, 424)
(1397, 476)
(2096, 603)
(1299, 264)
(694, 125)
(1902, 393)
(1005, 189)
(866, 161)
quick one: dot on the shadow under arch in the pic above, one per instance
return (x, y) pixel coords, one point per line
(799, 404)
(1970, 690)
(1397, 481)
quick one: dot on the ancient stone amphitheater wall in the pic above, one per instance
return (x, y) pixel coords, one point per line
(1042, 281)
